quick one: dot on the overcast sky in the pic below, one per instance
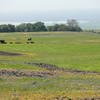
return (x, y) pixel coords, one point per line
(45, 5)
(9, 8)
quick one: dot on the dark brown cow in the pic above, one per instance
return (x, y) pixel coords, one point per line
(3, 42)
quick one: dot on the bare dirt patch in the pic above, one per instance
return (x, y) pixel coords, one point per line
(52, 67)
(46, 66)
(3, 53)
(24, 73)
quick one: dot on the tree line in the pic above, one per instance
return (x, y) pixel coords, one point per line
(72, 25)
(63, 27)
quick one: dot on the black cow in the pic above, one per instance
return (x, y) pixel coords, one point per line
(29, 39)
(3, 42)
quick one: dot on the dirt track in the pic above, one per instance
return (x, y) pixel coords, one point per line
(42, 65)
(54, 67)
(49, 67)
(2, 53)
(23, 73)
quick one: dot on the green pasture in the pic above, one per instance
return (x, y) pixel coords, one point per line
(68, 50)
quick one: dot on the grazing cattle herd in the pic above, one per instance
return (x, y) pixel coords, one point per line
(29, 41)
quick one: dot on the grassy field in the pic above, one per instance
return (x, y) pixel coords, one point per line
(69, 50)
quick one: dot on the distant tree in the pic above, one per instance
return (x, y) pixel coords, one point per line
(73, 25)
(50, 28)
(57, 27)
(11, 28)
(63, 27)
(21, 28)
(7, 28)
(28, 27)
(72, 22)
(39, 26)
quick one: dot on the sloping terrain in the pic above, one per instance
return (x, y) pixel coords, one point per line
(58, 66)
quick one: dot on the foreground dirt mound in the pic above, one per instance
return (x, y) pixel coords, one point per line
(17, 73)
(2, 53)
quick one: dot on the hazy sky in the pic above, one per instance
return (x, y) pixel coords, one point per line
(46, 5)
(38, 9)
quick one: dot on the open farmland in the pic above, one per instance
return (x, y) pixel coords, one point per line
(56, 66)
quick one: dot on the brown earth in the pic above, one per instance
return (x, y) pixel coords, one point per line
(52, 67)
(3, 53)
(25, 73)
